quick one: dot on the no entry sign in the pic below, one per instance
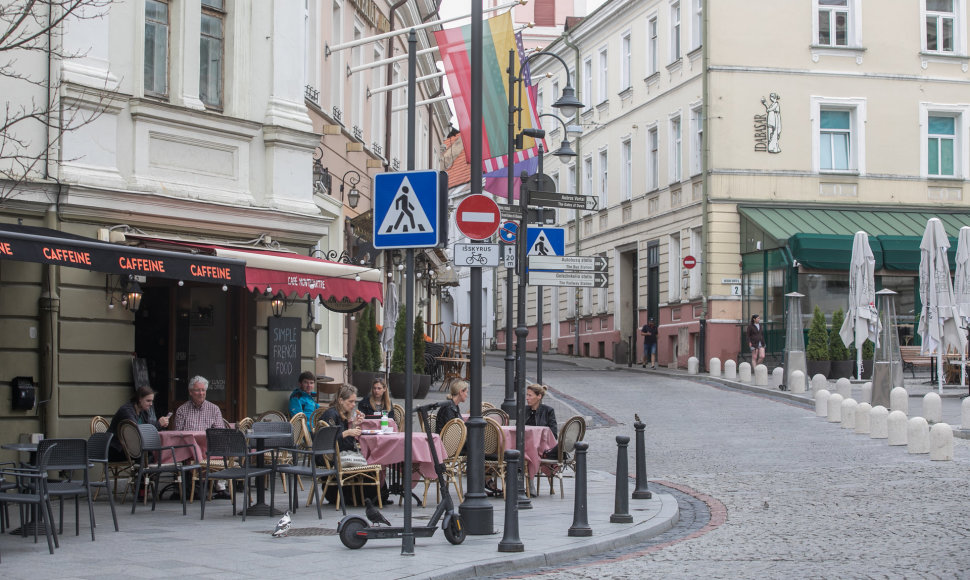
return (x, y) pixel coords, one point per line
(477, 217)
(690, 262)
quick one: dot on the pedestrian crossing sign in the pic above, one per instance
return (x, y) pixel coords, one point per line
(542, 241)
(407, 209)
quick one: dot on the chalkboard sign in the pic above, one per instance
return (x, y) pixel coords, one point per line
(284, 353)
(139, 373)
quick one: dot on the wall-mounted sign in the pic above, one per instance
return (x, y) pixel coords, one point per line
(767, 127)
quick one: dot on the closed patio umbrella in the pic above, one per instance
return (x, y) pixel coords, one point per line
(861, 318)
(390, 320)
(938, 327)
(961, 291)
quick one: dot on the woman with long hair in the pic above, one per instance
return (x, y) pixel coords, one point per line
(379, 400)
(140, 409)
(343, 413)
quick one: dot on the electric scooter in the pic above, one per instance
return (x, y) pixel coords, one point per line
(354, 530)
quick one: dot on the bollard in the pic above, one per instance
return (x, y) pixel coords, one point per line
(510, 539)
(693, 365)
(777, 377)
(835, 408)
(965, 413)
(621, 503)
(714, 367)
(941, 442)
(866, 396)
(899, 400)
(896, 426)
(844, 387)
(863, 418)
(641, 491)
(822, 403)
(878, 422)
(819, 382)
(932, 408)
(761, 376)
(744, 372)
(730, 369)
(849, 407)
(580, 525)
(797, 380)
(917, 436)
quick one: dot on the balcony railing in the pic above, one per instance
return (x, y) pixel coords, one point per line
(311, 94)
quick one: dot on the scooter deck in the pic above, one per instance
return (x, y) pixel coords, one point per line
(383, 533)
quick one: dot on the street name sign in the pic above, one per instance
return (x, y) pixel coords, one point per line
(572, 263)
(563, 200)
(510, 212)
(578, 279)
(477, 255)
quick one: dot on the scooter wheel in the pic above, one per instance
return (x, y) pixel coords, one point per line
(455, 531)
(348, 533)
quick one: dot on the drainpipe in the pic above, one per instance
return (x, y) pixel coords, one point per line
(579, 179)
(705, 184)
(49, 306)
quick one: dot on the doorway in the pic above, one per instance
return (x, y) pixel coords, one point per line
(653, 280)
(626, 311)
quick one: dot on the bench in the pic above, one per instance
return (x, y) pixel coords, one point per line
(912, 358)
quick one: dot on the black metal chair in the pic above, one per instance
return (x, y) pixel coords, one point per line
(152, 469)
(98, 444)
(324, 442)
(70, 457)
(238, 462)
(285, 440)
(32, 491)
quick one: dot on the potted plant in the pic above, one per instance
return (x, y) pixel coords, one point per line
(817, 350)
(395, 379)
(842, 365)
(367, 353)
(422, 381)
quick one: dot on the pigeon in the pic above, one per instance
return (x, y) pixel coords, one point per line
(636, 417)
(283, 526)
(374, 514)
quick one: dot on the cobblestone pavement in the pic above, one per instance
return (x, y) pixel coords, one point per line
(803, 497)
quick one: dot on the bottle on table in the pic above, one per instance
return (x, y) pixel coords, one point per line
(384, 426)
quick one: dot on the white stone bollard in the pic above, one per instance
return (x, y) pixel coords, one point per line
(797, 380)
(819, 382)
(932, 408)
(965, 413)
(714, 367)
(730, 369)
(744, 372)
(693, 365)
(878, 422)
(822, 403)
(777, 377)
(866, 396)
(917, 436)
(899, 400)
(896, 427)
(761, 376)
(835, 408)
(941, 442)
(844, 387)
(849, 407)
(863, 419)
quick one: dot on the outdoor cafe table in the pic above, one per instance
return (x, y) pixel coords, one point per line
(375, 424)
(33, 522)
(195, 439)
(388, 449)
(537, 440)
(261, 508)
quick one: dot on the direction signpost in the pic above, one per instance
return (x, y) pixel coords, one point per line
(563, 200)
(579, 279)
(575, 263)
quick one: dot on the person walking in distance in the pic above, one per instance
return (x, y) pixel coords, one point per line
(649, 333)
(756, 341)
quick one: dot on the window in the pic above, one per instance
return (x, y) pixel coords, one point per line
(604, 77)
(156, 47)
(696, 250)
(211, 53)
(940, 19)
(675, 155)
(587, 95)
(944, 135)
(674, 31)
(697, 140)
(377, 101)
(555, 95)
(652, 45)
(625, 56)
(941, 136)
(357, 80)
(674, 266)
(833, 22)
(603, 178)
(307, 47)
(541, 101)
(697, 25)
(653, 159)
(839, 128)
(626, 170)
(336, 60)
(545, 12)
(834, 140)
(588, 176)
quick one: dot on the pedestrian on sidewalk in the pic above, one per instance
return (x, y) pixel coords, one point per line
(649, 332)
(756, 341)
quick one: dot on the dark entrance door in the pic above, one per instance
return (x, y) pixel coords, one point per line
(653, 280)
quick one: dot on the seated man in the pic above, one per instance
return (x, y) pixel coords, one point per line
(303, 399)
(197, 414)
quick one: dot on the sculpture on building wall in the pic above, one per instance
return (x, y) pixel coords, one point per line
(772, 121)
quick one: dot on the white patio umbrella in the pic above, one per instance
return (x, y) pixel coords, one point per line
(938, 326)
(390, 319)
(861, 318)
(961, 291)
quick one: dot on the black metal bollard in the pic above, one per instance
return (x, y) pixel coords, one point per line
(580, 525)
(641, 491)
(621, 503)
(510, 539)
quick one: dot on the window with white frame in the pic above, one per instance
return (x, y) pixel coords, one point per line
(839, 134)
(832, 22)
(604, 77)
(572, 179)
(211, 52)
(674, 266)
(397, 118)
(588, 305)
(587, 95)
(941, 25)
(541, 101)
(697, 24)
(625, 61)
(588, 177)
(603, 180)
(337, 77)
(156, 47)
(307, 45)
(696, 250)
(674, 31)
(653, 159)
(571, 295)
(377, 101)
(944, 137)
(555, 94)
(940, 144)
(653, 44)
(675, 150)
(357, 79)
(696, 140)
(626, 170)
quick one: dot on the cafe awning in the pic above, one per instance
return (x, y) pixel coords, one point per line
(47, 246)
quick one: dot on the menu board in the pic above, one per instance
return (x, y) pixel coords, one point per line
(284, 353)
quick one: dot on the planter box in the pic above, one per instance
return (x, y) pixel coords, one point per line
(422, 386)
(842, 369)
(816, 367)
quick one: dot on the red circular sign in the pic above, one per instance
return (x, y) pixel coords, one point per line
(477, 217)
(690, 262)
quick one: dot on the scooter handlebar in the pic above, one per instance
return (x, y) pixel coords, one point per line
(428, 407)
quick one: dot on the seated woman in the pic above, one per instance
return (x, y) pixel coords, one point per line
(140, 410)
(343, 413)
(303, 399)
(540, 415)
(449, 409)
(379, 400)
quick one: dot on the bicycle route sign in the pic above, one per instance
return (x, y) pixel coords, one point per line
(477, 255)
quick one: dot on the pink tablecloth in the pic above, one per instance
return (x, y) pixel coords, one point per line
(375, 424)
(388, 449)
(196, 439)
(537, 440)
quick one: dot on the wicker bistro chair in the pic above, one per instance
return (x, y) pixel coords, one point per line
(98, 444)
(323, 445)
(397, 413)
(99, 424)
(453, 436)
(149, 446)
(487, 405)
(498, 414)
(271, 416)
(494, 444)
(32, 491)
(238, 462)
(354, 477)
(70, 457)
(573, 430)
(244, 424)
(315, 417)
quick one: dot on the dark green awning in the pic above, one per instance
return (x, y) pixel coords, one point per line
(831, 251)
